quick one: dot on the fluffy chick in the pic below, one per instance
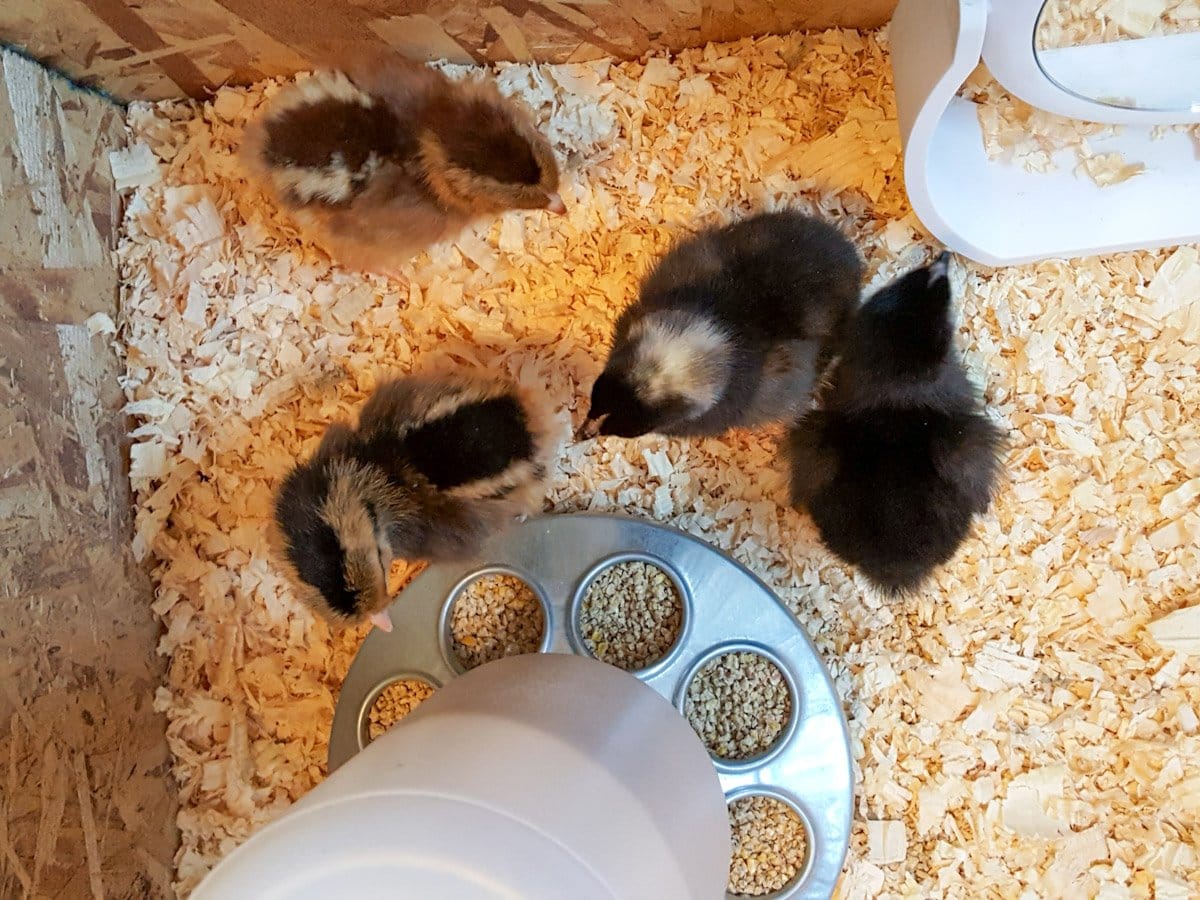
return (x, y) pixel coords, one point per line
(382, 160)
(899, 454)
(435, 465)
(730, 330)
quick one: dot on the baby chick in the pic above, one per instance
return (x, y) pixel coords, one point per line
(380, 162)
(899, 455)
(730, 330)
(435, 465)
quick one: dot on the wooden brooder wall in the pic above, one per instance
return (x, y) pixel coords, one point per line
(86, 802)
(154, 49)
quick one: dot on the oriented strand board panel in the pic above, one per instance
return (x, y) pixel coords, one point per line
(86, 806)
(157, 49)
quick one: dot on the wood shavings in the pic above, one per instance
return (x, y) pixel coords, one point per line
(1176, 284)
(1033, 138)
(1170, 887)
(1180, 500)
(886, 842)
(1079, 22)
(1029, 796)
(945, 693)
(1107, 168)
(1027, 654)
(1179, 631)
(100, 323)
(997, 667)
(1077, 853)
(134, 166)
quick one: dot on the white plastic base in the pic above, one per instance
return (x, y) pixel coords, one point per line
(995, 212)
(539, 777)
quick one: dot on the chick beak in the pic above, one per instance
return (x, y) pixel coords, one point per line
(590, 428)
(554, 204)
(381, 620)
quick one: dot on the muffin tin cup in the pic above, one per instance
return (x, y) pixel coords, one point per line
(789, 889)
(445, 638)
(725, 609)
(782, 740)
(685, 610)
(364, 714)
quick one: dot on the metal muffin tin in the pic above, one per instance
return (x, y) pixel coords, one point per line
(725, 608)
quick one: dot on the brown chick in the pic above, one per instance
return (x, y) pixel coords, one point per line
(435, 466)
(382, 160)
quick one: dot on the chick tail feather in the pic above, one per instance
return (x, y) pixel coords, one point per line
(896, 578)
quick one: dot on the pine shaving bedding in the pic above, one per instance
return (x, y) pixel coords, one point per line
(1036, 139)
(1016, 725)
(1070, 23)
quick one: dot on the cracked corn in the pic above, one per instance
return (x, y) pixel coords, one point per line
(495, 616)
(395, 702)
(770, 844)
(739, 704)
(630, 615)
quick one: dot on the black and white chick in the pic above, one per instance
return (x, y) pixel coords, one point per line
(898, 455)
(435, 466)
(730, 330)
(383, 157)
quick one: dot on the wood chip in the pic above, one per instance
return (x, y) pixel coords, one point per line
(886, 842)
(1179, 631)
(134, 166)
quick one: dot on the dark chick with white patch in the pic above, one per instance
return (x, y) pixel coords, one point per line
(899, 455)
(730, 330)
(435, 466)
(380, 161)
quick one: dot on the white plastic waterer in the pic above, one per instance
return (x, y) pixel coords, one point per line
(536, 777)
(995, 212)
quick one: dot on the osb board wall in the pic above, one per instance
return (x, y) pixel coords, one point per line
(152, 49)
(86, 805)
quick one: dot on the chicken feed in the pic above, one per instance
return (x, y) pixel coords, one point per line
(630, 615)
(770, 845)
(395, 702)
(1017, 727)
(495, 616)
(739, 703)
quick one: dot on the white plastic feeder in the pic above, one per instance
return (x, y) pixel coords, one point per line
(537, 777)
(995, 212)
